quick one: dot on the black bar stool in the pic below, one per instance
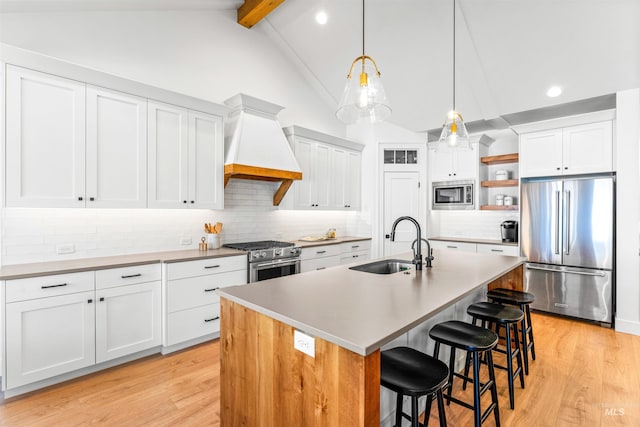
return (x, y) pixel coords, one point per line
(412, 373)
(507, 317)
(522, 300)
(478, 341)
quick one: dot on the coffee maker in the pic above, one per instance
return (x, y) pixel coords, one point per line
(509, 231)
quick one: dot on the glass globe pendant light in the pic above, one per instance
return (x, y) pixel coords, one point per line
(454, 132)
(363, 99)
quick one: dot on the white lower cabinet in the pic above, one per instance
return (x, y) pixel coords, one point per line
(475, 247)
(498, 249)
(192, 305)
(61, 323)
(46, 337)
(355, 251)
(128, 320)
(320, 257)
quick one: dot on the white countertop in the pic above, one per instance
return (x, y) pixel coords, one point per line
(363, 311)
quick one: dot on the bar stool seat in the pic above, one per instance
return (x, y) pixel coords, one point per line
(507, 317)
(477, 341)
(522, 300)
(410, 372)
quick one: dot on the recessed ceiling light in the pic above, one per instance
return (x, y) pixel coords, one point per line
(321, 17)
(554, 91)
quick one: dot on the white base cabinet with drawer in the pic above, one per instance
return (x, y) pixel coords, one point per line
(451, 245)
(191, 304)
(496, 249)
(355, 251)
(59, 324)
(320, 257)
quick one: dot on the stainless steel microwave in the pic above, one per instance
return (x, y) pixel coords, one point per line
(453, 195)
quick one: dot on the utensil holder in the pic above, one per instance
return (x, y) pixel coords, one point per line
(213, 241)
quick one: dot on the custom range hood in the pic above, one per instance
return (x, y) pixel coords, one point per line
(255, 145)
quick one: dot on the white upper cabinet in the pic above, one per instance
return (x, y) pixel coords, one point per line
(331, 169)
(45, 140)
(185, 158)
(568, 151)
(69, 145)
(346, 173)
(116, 150)
(448, 164)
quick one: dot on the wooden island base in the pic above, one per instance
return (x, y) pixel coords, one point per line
(265, 382)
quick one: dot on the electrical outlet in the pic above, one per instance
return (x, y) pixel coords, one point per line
(185, 241)
(304, 343)
(67, 248)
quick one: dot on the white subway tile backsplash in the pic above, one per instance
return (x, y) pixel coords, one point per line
(472, 224)
(31, 235)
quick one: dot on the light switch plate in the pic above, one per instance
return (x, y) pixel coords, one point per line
(304, 343)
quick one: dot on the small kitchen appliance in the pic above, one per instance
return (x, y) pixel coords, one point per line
(269, 259)
(453, 195)
(509, 231)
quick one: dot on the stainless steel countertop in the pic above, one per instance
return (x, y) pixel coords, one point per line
(362, 311)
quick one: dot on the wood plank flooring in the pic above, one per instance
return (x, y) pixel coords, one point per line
(584, 375)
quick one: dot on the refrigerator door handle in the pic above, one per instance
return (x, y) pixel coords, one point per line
(557, 240)
(582, 273)
(567, 225)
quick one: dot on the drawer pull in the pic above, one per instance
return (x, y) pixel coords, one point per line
(497, 250)
(53, 286)
(355, 247)
(452, 247)
(212, 319)
(321, 268)
(321, 252)
(212, 289)
(355, 256)
(212, 266)
(131, 275)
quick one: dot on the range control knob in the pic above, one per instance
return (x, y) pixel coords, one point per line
(277, 252)
(263, 254)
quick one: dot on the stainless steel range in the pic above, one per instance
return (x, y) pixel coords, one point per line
(269, 259)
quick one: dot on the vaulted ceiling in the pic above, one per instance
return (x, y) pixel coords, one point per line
(509, 52)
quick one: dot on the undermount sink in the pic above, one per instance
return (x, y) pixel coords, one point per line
(386, 266)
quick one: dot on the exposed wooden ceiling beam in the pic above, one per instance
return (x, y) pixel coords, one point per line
(252, 11)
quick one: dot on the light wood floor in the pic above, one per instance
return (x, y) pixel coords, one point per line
(584, 375)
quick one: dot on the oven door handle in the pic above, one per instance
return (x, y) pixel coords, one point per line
(277, 263)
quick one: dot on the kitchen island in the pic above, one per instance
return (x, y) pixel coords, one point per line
(348, 315)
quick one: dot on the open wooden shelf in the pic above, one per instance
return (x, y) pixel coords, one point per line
(500, 183)
(502, 158)
(499, 208)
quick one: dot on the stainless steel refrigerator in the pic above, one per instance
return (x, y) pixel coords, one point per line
(567, 235)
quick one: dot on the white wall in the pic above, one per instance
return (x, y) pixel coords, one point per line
(205, 54)
(372, 136)
(628, 211)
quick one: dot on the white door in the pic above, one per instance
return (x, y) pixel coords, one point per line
(49, 336)
(45, 140)
(127, 320)
(401, 197)
(116, 162)
(206, 185)
(168, 179)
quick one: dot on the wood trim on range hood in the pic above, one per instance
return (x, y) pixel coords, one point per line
(263, 174)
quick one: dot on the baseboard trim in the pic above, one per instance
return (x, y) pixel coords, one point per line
(627, 326)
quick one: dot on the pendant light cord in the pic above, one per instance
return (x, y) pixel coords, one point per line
(363, 28)
(454, 55)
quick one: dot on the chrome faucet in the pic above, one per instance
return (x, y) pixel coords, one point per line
(417, 258)
(429, 256)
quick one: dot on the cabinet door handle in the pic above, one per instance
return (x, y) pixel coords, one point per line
(212, 289)
(80, 199)
(101, 299)
(53, 286)
(130, 276)
(212, 319)
(321, 252)
(89, 301)
(91, 199)
(355, 256)
(212, 266)
(184, 201)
